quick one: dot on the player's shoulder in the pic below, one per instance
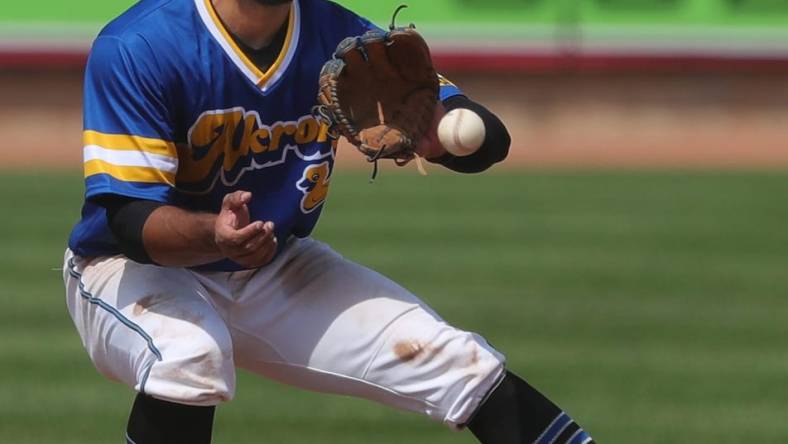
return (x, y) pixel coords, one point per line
(150, 33)
(149, 26)
(142, 16)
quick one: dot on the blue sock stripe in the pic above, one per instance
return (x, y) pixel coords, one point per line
(580, 437)
(555, 428)
(112, 310)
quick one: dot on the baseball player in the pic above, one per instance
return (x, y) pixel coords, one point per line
(205, 173)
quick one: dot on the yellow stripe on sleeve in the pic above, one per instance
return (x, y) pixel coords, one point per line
(130, 143)
(129, 174)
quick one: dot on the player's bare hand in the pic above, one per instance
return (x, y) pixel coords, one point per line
(429, 147)
(250, 244)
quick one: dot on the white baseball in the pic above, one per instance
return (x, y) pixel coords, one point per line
(461, 131)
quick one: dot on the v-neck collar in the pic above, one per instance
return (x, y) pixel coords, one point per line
(264, 80)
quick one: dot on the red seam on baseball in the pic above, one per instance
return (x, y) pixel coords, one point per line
(456, 132)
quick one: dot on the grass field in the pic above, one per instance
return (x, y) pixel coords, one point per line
(654, 307)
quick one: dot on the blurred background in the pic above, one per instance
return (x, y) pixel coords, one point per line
(630, 257)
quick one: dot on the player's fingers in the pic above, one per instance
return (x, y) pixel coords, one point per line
(238, 238)
(261, 256)
(235, 211)
(236, 200)
(270, 251)
(257, 242)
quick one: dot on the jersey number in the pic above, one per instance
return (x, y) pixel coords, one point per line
(314, 184)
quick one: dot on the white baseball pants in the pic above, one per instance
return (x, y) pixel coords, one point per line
(310, 319)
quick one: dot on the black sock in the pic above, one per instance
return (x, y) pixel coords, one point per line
(515, 413)
(153, 421)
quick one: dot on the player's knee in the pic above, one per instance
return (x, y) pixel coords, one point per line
(490, 359)
(472, 373)
(198, 371)
(446, 370)
(452, 372)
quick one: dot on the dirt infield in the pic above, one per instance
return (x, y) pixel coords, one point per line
(559, 120)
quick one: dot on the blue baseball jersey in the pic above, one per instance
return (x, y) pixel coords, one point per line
(175, 112)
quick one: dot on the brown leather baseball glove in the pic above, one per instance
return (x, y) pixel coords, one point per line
(380, 91)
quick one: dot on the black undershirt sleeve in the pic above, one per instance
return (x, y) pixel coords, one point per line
(126, 217)
(496, 143)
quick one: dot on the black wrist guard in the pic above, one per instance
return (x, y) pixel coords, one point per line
(496, 143)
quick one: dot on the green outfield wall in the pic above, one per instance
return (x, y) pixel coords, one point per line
(750, 28)
(491, 12)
